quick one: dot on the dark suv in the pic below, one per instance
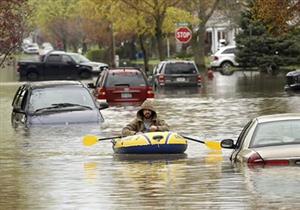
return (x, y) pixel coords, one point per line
(176, 73)
(122, 85)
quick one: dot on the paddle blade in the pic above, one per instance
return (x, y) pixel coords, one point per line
(90, 140)
(213, 145)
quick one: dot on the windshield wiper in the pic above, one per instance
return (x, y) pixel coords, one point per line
(61, 105)
(70, 105)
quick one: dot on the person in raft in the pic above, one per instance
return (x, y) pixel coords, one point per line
(146, 121)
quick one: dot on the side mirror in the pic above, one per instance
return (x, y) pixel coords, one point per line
(91, 85)
(227, 144)
(103, 105)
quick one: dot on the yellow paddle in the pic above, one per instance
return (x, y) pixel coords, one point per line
(214, 145)
(90, 140)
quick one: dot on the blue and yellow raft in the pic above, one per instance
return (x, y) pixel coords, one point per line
(151, 143)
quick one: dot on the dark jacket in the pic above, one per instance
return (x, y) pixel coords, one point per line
(137, 125)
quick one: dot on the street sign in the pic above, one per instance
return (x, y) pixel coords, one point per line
(183, 34)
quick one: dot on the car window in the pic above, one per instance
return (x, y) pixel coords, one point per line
(229, 51)
(54, 58)
(243, 134)
(79, 58)
(276, 133)
(180, 68)
(130, 78)
(66, 59)
(41, 98)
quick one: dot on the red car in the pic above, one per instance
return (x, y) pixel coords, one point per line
(122, 85)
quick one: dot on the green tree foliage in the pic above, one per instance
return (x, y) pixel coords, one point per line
(155, 11)
(55, 18)
(257, 47)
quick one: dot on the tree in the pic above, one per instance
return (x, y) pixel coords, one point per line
(156, 11)
(203, 10)
(259, 47)
(55, 17)
(278, 16)
(13, 14)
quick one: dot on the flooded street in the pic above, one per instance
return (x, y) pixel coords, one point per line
(48, 167)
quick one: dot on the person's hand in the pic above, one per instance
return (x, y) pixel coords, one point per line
(153, 128)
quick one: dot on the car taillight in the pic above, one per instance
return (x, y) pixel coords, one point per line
(215, 58)
(199, 79)
(276, 162)
(101, 93)
(161, 79)
(150, 93)
(255, 159)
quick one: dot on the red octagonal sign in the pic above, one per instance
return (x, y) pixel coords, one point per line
(183, 34)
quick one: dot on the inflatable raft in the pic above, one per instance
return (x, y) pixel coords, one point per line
(151, 143)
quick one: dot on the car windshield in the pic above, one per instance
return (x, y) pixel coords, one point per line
(52, 97)
(79, 58)
(276, 133)
(132, 78)
(180, 68)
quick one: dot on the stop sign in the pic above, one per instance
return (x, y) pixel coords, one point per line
(183, 34)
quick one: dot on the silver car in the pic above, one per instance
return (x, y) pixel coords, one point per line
(268, 140)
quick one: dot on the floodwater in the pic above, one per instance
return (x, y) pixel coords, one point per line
(49, 168)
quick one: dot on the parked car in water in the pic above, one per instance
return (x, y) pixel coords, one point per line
(32, 48)
(224, 59)
(55, 102)
(270, 140)
(55, 65)
(176, 73)
(122, 85)
(293, 80)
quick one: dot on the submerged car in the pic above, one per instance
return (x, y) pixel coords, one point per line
(267, 141)
(122, 86)
(293, 80)
(55, 102)
(176, 73)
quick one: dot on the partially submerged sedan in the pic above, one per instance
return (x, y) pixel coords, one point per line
(268, 140)
(55, 102)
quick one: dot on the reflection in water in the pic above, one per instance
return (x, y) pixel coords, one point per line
(48, 167)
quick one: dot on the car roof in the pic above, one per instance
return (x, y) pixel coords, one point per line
(278, 117)
(177, 61)
(126, 69)
(54, 83)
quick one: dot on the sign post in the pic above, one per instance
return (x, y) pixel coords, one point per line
(183, 34)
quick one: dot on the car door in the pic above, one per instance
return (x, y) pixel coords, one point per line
(68, 67)
(52, 66)
(18, 115)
